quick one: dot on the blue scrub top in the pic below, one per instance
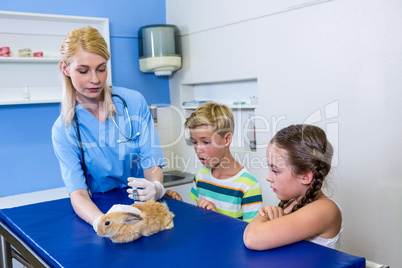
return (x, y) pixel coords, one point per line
(108, 163)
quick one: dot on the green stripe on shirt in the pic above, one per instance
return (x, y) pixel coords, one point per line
(239, 197)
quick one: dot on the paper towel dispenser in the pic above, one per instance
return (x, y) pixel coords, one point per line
(159, 49)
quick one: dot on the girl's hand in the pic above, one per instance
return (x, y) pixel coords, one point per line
(271, 212)
(173, 194)
(202, 203)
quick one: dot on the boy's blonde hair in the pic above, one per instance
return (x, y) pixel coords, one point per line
(211, 113)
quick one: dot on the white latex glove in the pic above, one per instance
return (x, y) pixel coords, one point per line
(116, 208)
(146, 190)
(96, 222)
(124, 208)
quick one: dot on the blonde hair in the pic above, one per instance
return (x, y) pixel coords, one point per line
(90, 40)
(211, 113)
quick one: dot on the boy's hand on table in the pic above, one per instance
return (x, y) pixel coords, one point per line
(173, 194)
(202, 203)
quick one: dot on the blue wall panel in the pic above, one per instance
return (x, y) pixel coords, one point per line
(125, 70)
(27, 160)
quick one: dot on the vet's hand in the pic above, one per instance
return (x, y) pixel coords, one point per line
(271, 212)
(96, 222)
(202, 203)
(174, 195)
(146, 190)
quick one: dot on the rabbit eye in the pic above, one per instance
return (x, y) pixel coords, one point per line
(107, 223)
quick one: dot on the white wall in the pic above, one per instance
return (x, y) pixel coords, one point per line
(337, 64)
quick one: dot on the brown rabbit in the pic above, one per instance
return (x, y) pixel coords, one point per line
(123, 227)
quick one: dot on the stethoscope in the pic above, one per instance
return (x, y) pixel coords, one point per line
(128, 138)
(129, 121)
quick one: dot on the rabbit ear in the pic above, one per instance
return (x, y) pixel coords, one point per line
(133, 218)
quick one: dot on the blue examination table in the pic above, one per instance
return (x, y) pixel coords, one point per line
(50, 234)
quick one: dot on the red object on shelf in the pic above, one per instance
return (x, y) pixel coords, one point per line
(4, 51)
(38, 54)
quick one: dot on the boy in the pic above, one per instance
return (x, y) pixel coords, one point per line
(222, 185)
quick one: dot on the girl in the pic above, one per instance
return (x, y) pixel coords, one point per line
(299, 159)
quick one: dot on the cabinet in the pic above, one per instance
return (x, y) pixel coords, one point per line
(239, 95)
(36, 80)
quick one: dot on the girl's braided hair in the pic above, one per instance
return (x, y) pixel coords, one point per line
(307, 149)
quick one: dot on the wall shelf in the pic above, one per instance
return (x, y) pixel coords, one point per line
(17, 95)
(29, 60)
(226, 92)
(29, 102)
(38, 32)
(231, 106)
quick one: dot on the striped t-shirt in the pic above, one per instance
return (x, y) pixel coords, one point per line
(239, 197)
